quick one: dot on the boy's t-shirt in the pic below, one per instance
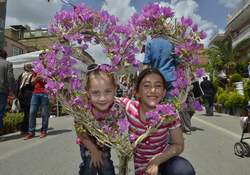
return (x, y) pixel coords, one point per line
(154, 144)
(159, 54)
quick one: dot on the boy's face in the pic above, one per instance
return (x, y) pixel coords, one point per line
(151, 91)
(101, 92)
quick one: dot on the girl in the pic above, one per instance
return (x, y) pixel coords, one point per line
(154, 155)
(101, 90)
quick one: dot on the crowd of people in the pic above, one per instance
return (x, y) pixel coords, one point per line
(29, 89)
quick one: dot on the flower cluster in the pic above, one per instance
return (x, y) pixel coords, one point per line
(82, 26)
(157, 21)
(163, 112)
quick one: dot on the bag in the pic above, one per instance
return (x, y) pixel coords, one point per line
(15, 106)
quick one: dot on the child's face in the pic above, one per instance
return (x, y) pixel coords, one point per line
(151, 90)
(101, 92)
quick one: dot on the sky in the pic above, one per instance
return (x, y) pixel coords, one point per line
(210, 15)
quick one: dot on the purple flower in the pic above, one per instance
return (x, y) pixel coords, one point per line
(106, 128)
(77, 101)
(186, 21)
(166, 109)
(167, 12)
(195, 28)
(123, 125)
(154, 116)
(132, 137)
(200, 72)
(75, 84)
(197, 106)
(203, 35)
(116, 60)
(175, 92)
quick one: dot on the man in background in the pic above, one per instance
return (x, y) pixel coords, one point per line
(208, 97)
(7, 83)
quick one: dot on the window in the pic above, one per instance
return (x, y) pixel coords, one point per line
(16, 51)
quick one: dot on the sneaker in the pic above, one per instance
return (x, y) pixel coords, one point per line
(29, 136)
(43, 134)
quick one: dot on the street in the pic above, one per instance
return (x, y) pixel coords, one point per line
(209, 148)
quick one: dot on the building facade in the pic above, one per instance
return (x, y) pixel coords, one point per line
(21, 39)
(238, 30)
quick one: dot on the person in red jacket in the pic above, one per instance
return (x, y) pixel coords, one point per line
(39, 99)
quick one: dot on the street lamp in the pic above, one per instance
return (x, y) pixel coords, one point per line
(3, 4)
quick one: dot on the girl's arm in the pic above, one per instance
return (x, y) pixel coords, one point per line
(96, 154)
(174, 149)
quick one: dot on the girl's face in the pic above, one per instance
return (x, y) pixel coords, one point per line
(101, 92)
(151, 91)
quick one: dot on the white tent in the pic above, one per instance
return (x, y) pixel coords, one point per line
(20, 60)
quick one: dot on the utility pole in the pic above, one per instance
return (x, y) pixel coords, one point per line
(3, 4)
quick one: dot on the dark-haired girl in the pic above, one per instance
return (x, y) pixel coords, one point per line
(154, 156)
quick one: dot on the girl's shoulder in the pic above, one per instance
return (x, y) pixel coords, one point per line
(126, 101)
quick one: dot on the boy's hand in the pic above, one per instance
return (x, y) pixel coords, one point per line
(96, 158)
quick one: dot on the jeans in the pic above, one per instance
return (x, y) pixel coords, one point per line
(39, 100)
(86, 169)
(209, 106)
(25, 104)
(3, 103)
(176, 166)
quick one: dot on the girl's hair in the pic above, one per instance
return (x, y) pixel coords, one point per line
(98, 72)
(146, 72)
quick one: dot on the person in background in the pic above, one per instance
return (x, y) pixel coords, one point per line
(7, 84)
(39, 99)
(24, 94)
(208, 97)
(159, 54)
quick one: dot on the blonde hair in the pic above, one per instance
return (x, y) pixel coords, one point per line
(97, 72)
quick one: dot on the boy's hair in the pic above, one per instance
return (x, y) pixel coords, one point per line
(146, 72)
(98, 72)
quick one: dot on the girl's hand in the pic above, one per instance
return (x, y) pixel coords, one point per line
(96, 158)
(152, 169)
(153, 166)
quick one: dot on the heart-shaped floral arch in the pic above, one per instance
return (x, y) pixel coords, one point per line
(76, 29)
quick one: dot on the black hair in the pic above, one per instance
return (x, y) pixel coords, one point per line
(3, 53)
(146, 72)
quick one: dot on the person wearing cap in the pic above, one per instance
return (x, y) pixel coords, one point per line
(24, 94)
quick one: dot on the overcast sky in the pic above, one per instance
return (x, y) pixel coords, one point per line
(210, 15)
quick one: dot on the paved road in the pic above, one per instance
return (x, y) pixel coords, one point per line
(209, 148)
